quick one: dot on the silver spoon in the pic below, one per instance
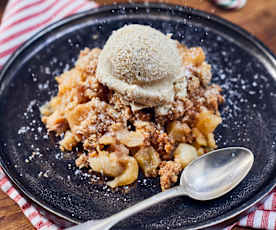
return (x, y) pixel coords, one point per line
(208, 177)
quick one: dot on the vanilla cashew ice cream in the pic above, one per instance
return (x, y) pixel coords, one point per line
(142, 64)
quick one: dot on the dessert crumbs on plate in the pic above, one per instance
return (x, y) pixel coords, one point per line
(201, 103)
(103, 122)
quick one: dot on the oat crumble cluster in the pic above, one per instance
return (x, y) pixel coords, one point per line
(117, 141)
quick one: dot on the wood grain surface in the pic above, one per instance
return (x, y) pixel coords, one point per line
(257, 17)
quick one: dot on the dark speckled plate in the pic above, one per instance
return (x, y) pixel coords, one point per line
(242, 65)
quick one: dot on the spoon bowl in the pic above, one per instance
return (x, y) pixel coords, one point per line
(208, 177)
(216, 173)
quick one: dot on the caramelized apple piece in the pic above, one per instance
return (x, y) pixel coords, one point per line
(178, 130)
(149, 160)
(184, 154)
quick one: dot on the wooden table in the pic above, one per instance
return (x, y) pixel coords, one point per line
(258, 17)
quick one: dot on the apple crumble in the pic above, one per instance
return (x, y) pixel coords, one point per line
(119, 137)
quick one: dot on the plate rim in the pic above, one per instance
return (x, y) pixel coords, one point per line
(170, 7)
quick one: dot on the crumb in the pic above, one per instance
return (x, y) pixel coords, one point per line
(95, 120)
(169, 171)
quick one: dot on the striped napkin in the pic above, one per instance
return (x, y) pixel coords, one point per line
(21, 20)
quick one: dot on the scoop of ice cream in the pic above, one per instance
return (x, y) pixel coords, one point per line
(141, 63)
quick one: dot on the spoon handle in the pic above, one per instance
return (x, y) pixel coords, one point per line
(107, 223)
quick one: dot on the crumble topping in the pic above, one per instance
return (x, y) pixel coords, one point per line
(118, 139)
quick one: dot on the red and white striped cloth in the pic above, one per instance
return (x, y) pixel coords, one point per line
(21, 20)
(263, 218)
